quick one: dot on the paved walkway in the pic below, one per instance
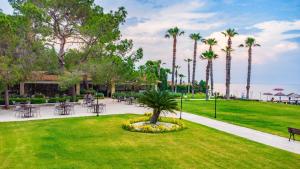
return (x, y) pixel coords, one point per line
(113, 107)
(250, 134)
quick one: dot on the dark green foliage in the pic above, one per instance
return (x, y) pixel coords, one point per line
(126, 94)
(38, 100)
(159, 101)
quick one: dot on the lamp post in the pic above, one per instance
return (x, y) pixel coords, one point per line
(181, 105)
(215, 104)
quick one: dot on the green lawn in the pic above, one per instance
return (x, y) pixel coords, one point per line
(92, 142)
(268, 117)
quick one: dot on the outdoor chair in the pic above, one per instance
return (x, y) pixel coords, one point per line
(36, 111)
(58, 109)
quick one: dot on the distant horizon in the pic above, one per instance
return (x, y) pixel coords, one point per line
(278, 31)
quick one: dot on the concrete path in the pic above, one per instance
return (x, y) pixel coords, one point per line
(113, 107)
(250, 134)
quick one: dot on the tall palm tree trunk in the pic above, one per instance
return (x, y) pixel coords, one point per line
(211, 74)
(174, 61)
(176, 76)
(189, 80)
(6, 97)
(211, 78)
(228, 69)
(207, 78)
(194, 69)
(249, 71)
(154, 117)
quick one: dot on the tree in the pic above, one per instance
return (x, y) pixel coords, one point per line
(176, 76)
(249, 43)
(68, 23)
(211, 42)
(152, 72)
(189, 73)
(207, 55)
(19, 47)
(230, 33)
(69, 80)
(181, 76)
(159, 101)
(116, 65)
(195, 37)
(174, 33)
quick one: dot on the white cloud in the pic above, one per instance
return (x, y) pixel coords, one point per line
(272, 38)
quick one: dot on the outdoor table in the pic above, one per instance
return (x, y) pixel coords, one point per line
(98, 108)
(65, 107)
(28, 111)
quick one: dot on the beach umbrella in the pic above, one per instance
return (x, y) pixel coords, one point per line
(278, 89)
(279, 94)
(293, 95)
(268, 94)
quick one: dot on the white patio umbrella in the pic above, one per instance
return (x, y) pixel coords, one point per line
(268, 94)
(280, 94)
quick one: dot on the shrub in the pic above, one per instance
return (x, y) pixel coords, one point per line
(100, 95)
(39, 95)
(159, 101)
(37, 100)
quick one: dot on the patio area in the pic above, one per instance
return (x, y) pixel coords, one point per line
(48, 111)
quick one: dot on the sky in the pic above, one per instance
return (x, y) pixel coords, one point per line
(275, 24)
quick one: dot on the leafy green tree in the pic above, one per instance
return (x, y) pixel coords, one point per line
(174, 33)
(10, 74)
(159, 101)
(116, 66)
(180, 77)
(211, 42)
(195, 37)
(152, 72)
(202, 86)
(19, 47)
(207, 55)
(69, 80)
(69, 23)
(230, 33)
(249, 43)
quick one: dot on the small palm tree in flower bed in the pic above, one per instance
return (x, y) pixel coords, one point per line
(159, 101)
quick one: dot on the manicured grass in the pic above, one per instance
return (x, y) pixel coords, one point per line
(268, 117)
(196, 96)
(92, 142)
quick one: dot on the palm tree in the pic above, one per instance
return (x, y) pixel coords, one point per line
(249, 43)
(230, 33)
(174, 33)
(196, 37)
(211, 42)
(207, 55)
(180, 77)
(176, 76)
(159, 101)
(189, 73)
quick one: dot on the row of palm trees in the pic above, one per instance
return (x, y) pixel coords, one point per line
(210, 55)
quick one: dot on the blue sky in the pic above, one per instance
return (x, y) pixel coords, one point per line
(274, 23)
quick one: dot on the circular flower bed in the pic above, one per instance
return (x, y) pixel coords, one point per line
(164, 124)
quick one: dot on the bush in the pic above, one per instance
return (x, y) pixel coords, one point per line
(151, 128)
(100, 95)
(39, 95)
(37, 100)
(19, 100)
